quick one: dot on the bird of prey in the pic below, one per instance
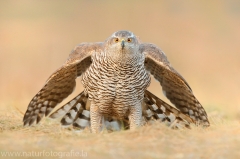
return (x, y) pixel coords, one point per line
(115, 75)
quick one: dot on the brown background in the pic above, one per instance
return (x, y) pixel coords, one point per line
(200, 38)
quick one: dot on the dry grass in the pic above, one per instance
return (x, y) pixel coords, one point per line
(200, 38)
(221, 140)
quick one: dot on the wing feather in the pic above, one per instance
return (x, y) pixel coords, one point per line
(61, 83)
(174, 86)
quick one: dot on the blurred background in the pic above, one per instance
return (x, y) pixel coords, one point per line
(200, 38)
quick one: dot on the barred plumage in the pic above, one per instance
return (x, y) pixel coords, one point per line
(153, 109)
(115, 76)
(114, 87)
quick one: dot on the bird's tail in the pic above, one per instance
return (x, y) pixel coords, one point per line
(156, 109)
(74, 113)
(77, 113)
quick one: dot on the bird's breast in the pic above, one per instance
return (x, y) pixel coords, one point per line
(115, 87)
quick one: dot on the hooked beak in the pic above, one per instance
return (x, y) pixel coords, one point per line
(123, 44)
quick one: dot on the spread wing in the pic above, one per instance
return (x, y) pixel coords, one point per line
(174, 86)
(61, 83)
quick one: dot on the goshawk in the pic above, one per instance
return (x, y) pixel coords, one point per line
(115, 75)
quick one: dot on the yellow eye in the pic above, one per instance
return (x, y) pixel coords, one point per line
(116, 40)
(129, 40)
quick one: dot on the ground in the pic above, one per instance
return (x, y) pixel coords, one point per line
(49, 139)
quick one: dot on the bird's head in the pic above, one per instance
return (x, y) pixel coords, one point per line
(123, 42)
(122, 46)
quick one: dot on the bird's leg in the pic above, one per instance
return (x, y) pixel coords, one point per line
(95, 118)
(135, 116)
